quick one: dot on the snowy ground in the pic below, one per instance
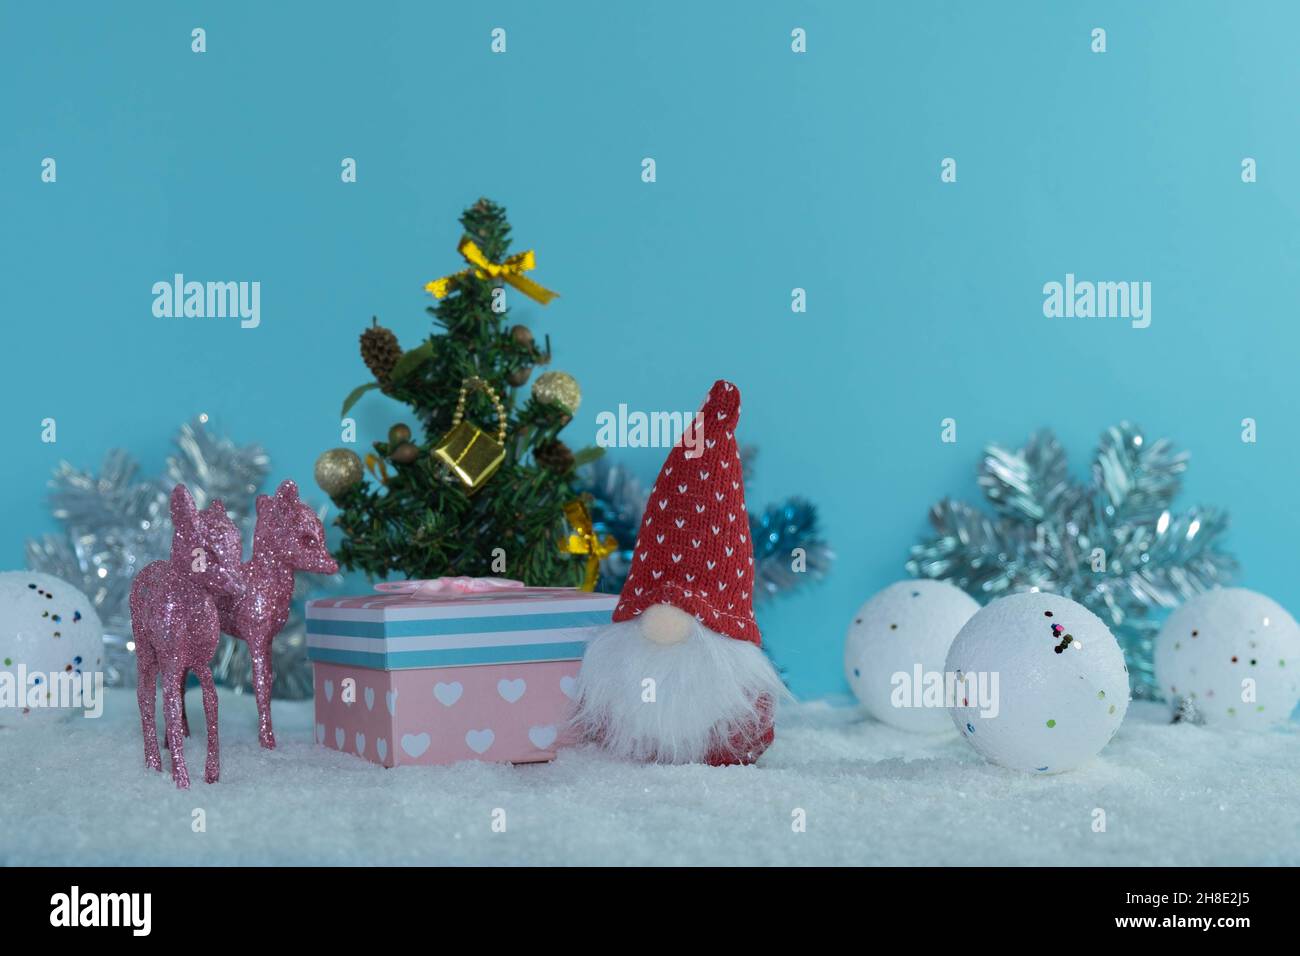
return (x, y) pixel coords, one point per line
(77, 793)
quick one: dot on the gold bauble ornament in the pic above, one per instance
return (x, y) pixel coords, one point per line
(337, 470)
(558, 388)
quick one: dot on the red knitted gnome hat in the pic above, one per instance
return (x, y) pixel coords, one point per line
(693, 550)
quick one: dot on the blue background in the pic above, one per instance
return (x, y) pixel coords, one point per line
(775, 170)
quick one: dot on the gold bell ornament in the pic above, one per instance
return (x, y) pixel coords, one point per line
(471, 453)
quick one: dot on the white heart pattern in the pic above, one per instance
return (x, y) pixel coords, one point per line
(479, 740)
(448, 694)
(370, 698)
(542, 737)
(361, 744)
(390, 699)
(698, 574)
(329, 690)
(415, 744)
(381, 745)
(568, 686)
(338, 737)
(510, 690)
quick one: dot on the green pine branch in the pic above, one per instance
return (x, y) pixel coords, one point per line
(423, 523)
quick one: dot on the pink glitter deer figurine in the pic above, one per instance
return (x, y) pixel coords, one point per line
(288, 537)
(176, 627)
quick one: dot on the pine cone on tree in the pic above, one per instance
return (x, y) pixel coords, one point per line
(554, 455)
(380, 351)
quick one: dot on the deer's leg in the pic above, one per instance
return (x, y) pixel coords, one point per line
(185, 718)
(212, 769)
(146, 677)
(173, 688)
(262, 689)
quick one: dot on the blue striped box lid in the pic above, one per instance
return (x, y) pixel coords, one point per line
(401, 632)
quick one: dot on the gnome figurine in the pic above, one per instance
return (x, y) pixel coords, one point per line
(680, 676)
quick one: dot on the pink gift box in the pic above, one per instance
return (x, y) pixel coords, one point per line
(445, 675)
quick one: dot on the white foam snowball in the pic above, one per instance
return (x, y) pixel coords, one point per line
(908, 625)
(1061, 687)
(47, 627)
(1236, 654)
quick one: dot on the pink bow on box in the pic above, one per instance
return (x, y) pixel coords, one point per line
(440, 587)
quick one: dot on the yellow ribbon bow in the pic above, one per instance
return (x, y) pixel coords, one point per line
(511, 271)
(586, 542)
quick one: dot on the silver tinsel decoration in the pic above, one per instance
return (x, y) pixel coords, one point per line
(1186, 712)
(617, 501)
(115, 524)
(777, 531)
(1112, 543)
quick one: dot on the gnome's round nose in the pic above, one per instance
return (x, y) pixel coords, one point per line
(665, 625)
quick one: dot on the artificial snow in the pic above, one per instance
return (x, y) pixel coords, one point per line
(77, 792)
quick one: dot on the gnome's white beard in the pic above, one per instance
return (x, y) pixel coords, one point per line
(706, 690)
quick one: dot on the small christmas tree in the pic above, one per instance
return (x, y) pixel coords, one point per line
(427, 513)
